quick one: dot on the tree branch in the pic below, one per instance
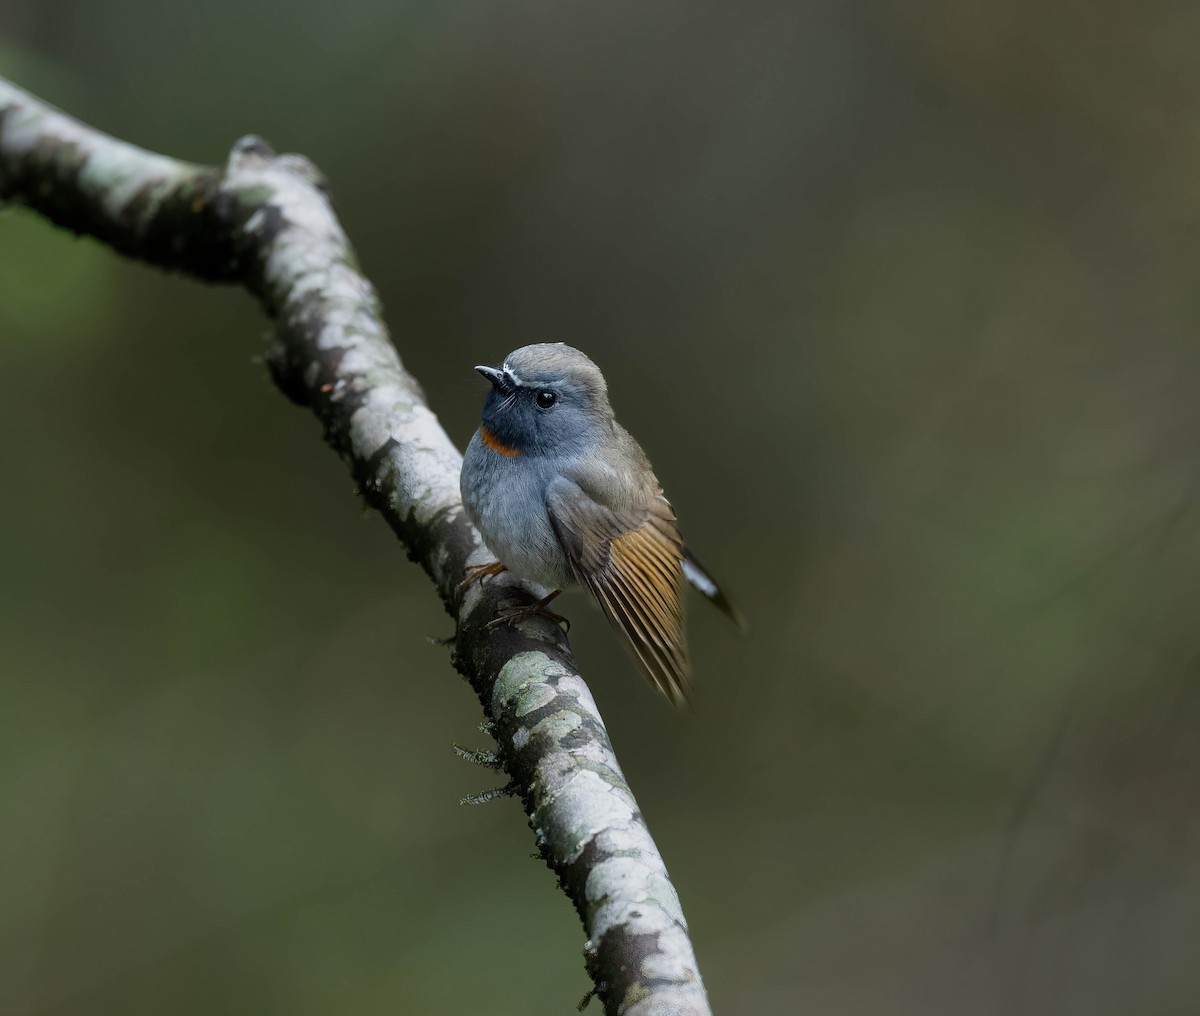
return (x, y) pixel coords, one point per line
(265, 221)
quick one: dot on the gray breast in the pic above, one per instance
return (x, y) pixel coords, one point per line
(505, 500)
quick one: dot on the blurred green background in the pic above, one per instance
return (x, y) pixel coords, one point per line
(901, 300)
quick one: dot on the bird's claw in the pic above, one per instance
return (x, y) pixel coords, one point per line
(523, 613)
(478, 572)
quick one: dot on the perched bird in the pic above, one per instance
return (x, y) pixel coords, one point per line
(564, 496)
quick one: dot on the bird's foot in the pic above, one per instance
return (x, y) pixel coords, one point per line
(478, 572)
(531, 610)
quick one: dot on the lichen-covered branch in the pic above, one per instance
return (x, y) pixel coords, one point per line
(264, 221)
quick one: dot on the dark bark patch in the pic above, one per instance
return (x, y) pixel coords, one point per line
(615, 965)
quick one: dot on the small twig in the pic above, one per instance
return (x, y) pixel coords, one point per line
(480, 757)
(508, 790)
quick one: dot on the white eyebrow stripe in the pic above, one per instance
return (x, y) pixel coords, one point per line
(520, 382)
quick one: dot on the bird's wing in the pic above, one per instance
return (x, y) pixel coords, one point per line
(631, 561)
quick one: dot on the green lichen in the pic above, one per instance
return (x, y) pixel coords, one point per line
(556, 725)
(251, 198)
(636, 992)
(520, 673)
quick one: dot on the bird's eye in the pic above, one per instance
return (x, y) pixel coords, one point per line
(546, 399)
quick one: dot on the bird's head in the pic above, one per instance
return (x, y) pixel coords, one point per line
(545, 398)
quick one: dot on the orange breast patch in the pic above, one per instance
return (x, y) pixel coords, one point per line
(495, 444)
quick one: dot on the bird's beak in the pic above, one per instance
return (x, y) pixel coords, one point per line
(498, 378)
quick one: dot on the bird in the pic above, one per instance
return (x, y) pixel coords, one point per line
(564, 497)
